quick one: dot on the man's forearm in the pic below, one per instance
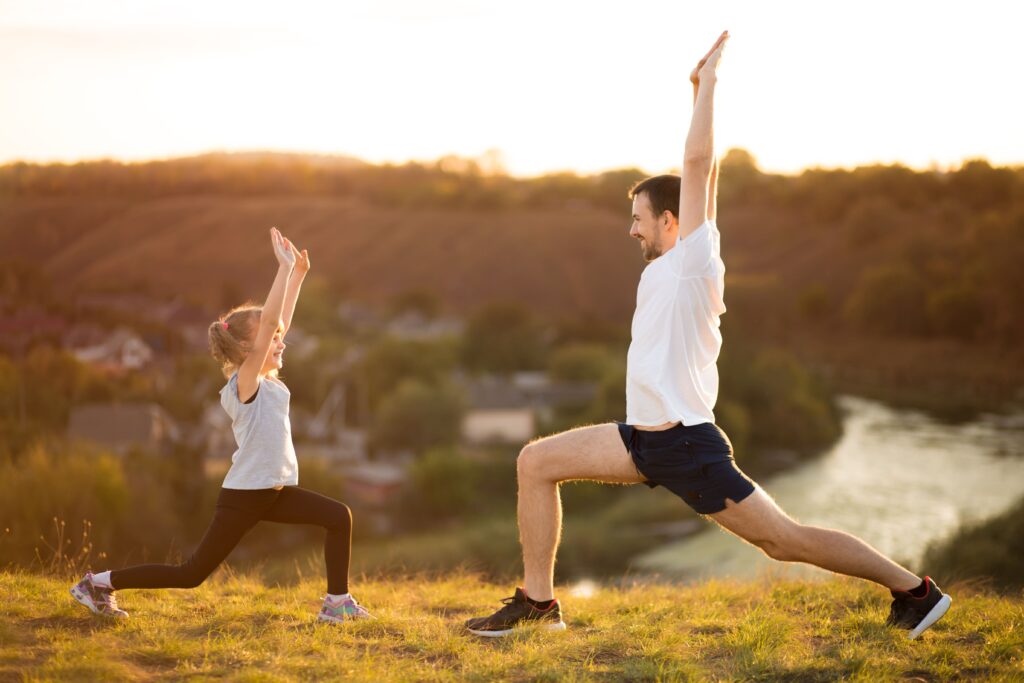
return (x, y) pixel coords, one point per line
(700, 148)
(712, 210)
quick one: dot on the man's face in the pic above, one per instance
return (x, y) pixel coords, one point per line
(647, 227)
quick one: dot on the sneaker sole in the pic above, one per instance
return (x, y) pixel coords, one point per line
(560, 626)
(941, 607)
(335, 620)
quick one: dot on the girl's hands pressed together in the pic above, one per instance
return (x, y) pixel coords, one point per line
(301, 259)
(282, 249)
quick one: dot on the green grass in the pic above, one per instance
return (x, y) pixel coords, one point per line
(238, 628)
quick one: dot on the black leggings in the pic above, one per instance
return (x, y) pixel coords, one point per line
(237, 512)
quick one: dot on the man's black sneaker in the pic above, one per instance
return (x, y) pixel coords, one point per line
(516, 612)
(918, 614)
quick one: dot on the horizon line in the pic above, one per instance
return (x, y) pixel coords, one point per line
(352, 159)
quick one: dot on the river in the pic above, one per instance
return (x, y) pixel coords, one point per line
(898, 479)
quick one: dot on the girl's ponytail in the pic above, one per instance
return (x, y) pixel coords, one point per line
(231, 336)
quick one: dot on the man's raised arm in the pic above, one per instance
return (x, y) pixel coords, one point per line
(700, 177)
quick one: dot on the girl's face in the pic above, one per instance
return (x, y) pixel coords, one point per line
(275, 358)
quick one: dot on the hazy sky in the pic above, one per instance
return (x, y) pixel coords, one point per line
(554, 85)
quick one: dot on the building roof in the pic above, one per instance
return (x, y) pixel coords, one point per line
(121, 426)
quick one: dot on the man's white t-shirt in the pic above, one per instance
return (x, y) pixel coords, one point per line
(671, 368)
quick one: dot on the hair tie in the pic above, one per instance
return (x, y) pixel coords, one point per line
(225, 324)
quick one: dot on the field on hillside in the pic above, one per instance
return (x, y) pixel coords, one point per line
(237, 628)
(581, 260)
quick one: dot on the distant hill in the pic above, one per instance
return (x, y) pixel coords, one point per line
(578, 260)
(844, 263)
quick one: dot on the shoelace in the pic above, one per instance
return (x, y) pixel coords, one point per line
(108, 597)
(509, 603)
(351, 601)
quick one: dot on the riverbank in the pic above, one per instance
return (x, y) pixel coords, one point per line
(951, 379)
(236, 627)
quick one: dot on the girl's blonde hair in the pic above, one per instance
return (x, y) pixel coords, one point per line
(232, 335)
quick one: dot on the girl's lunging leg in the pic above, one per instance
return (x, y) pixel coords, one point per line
(295, 505)
(237, 512)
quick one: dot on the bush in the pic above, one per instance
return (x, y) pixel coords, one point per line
(814, 303)
(993, 549)
(957, 311)
(869, 219)
(580, 363)
(127, 506)
(444, 484)
(773, 402)
(503, 338)
(418, 416)
(389, 362)
(889, 300)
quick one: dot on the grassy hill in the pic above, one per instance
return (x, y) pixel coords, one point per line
(235, 627)
(580, 260)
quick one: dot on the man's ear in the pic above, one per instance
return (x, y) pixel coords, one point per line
(667, 217)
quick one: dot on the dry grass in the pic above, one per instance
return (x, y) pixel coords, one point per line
(235, 627)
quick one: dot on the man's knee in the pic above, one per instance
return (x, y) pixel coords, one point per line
(533, 461)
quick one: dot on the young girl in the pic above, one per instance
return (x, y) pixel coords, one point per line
(262, 481)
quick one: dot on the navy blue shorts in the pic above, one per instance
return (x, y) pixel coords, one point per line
(695, 463)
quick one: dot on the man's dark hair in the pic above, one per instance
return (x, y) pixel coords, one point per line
(662, 192)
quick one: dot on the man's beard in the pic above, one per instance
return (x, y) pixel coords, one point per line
(649, 250)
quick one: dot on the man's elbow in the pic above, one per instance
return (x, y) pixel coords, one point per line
(698, 163)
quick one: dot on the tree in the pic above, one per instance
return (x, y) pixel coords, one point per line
(957, 310)
(390, 361)
(579, 363)
(869, 219)
(889, 299)
(418, 416)
(424, 302)
(444, 483)
(503, 338)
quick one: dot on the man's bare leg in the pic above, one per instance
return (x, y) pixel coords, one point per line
(594, 453)
(759, 520)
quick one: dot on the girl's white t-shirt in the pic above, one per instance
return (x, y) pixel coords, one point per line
(671, 368)
(265, 457)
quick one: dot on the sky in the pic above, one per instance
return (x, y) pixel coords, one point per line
(554, 85)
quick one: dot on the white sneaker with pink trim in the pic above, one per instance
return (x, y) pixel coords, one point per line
(346, 609)
(97, 597)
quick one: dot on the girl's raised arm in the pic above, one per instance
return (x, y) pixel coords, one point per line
(270, 320)
(291, 292)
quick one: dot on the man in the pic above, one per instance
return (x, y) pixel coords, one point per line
(670, 438)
